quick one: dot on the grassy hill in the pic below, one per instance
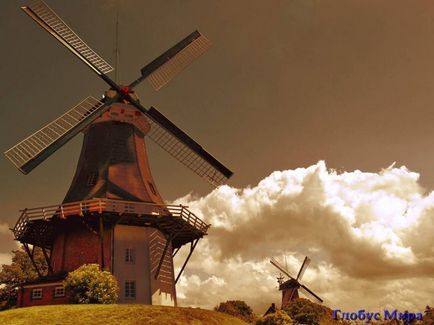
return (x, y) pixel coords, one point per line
(115, 314)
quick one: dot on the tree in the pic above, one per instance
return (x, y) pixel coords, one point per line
(278, 318)
(237, 308)
(18, 272)
(307, 312)
(428, 317)
(89, 285)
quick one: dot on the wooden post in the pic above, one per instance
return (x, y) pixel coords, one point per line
(168, 241)
(48, 260)
(26, 247)
(192, 247)
(101, 238)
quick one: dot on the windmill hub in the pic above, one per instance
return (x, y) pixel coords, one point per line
(125, 89)
(125, 93)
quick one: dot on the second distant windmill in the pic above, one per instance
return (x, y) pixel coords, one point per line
(291, 286)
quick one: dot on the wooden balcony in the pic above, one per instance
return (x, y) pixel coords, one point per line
(37, 226)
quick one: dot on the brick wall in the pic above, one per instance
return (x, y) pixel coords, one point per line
(77, 246)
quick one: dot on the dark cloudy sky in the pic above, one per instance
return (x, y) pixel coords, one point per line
(286, 84)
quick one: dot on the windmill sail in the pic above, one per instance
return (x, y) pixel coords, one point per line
(308, 292)
(169, 64)
(303, 268)
(183, 148)
(53, 24)
(33, 150)
(280, 267)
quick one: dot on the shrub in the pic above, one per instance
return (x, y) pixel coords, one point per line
(237, 308)
(278, 318)
(89, 285)
(305, 311)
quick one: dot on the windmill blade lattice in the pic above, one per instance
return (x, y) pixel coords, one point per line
(53, 24)
(308, 292)
(303, 268)
(280, 267)
(185, 149)
(33, 150)
(168, 65)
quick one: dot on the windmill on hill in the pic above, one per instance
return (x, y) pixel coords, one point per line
(291, 286)
(113, 214)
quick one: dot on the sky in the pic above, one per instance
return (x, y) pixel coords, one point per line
(321, 109)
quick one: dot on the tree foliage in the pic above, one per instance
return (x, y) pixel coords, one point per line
(18, 272)
(428, 317)
(305, 311)
(237, 308)
(89, 285)
(280, 317)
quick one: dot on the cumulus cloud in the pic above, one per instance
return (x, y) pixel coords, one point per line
(369, 235)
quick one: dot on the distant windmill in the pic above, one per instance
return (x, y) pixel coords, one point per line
(291, 286)
(113, 214)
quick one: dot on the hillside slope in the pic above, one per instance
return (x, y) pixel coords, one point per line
(115, 314)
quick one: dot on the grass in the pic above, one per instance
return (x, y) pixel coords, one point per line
(115, 314)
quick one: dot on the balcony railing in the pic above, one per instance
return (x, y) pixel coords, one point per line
(82, 208)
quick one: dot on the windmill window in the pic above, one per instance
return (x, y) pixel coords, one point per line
(59, 292)
(130, 289)
(130, 255)
(91, 179)
(37, 293)
(152, 188)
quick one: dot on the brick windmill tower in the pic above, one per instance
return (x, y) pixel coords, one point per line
(113, 214)
(291, 286)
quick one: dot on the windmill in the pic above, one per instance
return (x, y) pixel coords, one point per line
(291, 286)
(113, 214)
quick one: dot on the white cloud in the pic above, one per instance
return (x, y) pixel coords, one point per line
(369, 235)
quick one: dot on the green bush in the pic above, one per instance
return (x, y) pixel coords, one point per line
(237, 308)
(278, 318)
(305, 311)
(89, 285)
